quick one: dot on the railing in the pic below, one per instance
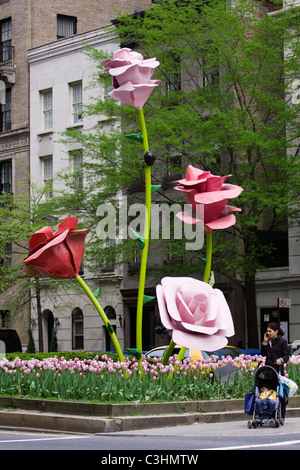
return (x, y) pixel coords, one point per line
(7, 55)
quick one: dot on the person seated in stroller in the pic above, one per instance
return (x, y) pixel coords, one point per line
(265, 403)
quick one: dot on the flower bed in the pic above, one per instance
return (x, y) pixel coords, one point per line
(107, 380)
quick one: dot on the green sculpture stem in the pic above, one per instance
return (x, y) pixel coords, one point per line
(208, 257)
(103, 316)
(142, 280)
(207, 270)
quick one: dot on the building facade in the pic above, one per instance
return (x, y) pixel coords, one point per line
(25, 24)
(60, 75)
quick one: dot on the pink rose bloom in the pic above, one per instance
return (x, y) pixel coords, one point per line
(196, 313)
(131, 77)
(201, 187)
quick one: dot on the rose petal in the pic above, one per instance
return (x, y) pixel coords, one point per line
(229, 191)
(67, 224)
(170, 292)
(134, 95)
(207, 330)
(135, 74)
(224, 314)
(222, 223)
(199, 341)
(164, 316)
(75, 241)
(40, 237)
(187, 218)
(184, 311)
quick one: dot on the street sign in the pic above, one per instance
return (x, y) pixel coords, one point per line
(284, 303)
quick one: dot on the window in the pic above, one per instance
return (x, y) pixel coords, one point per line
(5, 112)
(47, 110)
(6, 177)
(76, 89)
(4, 318)
(77, 160)
(6, 254)
(174, 163)
(66, 26)
(108, 264)
(5, 40)
(48, 176)
(210, 71)
(77, 329)
(274, 247)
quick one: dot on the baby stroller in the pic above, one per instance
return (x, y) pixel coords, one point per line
(266, 375)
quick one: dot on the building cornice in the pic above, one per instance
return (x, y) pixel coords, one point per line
(71, 44)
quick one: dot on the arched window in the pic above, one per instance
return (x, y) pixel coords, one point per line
(77, 329)
(110, 312)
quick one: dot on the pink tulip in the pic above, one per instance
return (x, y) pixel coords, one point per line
(201, 187)
(197, 315)
(131, 77)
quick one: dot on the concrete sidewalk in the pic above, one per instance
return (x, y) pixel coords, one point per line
(91, 418)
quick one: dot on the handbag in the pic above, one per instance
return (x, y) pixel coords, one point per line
(290, 386)
(249, 403)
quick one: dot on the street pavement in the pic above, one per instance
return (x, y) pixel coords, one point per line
(168, 445)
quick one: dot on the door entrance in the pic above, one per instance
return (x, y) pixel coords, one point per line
(269, 315)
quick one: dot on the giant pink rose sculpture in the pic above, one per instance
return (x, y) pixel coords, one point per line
(197, 314)
(131, 77)
(201, 187)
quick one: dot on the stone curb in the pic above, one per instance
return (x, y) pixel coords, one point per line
(89, 418)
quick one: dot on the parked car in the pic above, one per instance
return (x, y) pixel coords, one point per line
(294, 348)
(9, 341)
(196, 354)
(228, 351)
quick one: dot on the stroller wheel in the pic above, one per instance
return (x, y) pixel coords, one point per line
(249, 425)
(272, 423)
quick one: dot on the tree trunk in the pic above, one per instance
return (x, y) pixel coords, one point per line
(251, 311)
(39, 312)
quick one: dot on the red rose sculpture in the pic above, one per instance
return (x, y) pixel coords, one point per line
(57, 255)
(201, 187)
(131, 77)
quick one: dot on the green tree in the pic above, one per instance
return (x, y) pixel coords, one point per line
(20, 216)
(224, 105)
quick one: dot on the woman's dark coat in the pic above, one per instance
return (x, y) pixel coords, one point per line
(275, 349)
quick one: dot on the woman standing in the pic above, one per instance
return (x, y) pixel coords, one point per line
(275, 348)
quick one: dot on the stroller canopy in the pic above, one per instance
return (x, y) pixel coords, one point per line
(266, 375)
